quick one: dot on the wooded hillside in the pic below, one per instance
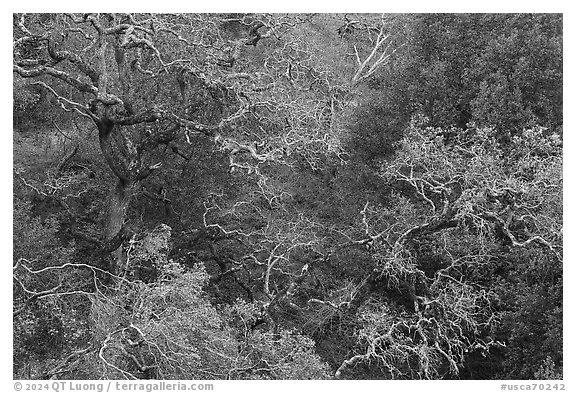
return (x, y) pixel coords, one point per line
(287, 196)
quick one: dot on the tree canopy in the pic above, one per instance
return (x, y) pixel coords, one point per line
(287, 196)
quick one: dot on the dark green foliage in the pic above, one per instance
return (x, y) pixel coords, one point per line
(495, 70)
(376, 124)
(532, 322)
(518, 75)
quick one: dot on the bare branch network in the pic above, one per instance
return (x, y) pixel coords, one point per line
(250, 103)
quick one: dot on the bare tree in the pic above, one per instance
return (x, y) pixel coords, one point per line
(466, 199)
(147, 80)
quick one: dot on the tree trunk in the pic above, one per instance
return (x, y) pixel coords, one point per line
(119, 199)
(118, 207)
